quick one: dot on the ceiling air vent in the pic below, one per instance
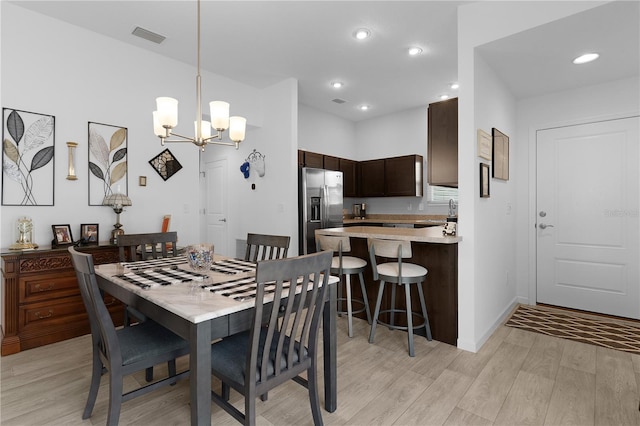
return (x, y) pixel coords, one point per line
(148, 35)
(338, 101)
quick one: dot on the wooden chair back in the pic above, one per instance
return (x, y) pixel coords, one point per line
(147, 246)
(266, 247)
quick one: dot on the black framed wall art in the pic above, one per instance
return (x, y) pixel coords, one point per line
(107, 161)
(28, 167)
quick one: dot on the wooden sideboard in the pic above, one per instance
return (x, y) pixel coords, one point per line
(41, 300)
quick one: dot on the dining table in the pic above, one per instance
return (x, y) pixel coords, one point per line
(203, 306)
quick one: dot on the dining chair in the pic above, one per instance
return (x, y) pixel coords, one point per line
(134, 247)
(266, 247)
(125, 350)
(399, 273)
(147, 246)
(346, 266)
(283, 340)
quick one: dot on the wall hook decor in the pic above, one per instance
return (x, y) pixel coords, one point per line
(256, 159)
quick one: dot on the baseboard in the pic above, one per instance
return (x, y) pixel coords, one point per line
(472, 346)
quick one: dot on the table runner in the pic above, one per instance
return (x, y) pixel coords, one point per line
(233, 266)
(155, 263)
(240, 289)
(162, 276)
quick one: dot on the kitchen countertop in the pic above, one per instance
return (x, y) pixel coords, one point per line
(431, 234)
(397, 219)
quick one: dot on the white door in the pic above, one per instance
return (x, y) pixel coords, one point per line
(587, 217)
(216, 205)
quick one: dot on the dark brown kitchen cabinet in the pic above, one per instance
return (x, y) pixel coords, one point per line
(403, 176)
(371, 178)
(312, 159)
(349, 171)
(330, 163)
(442, 151)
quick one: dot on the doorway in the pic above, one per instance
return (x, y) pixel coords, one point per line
(587, 215)
(216, 205)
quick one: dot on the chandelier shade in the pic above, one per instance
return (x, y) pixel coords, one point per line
(165, 117)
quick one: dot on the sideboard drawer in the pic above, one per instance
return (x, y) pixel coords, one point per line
(44, 314)
(40, 287)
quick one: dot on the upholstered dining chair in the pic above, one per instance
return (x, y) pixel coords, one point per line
(397, 273)
(343, 265)
(122, 351)
(266, 247)
(283, 340)
(134, 247)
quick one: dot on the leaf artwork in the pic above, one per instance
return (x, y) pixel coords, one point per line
(107, 162)
(28, 149)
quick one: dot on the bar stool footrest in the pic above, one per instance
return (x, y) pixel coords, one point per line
(355, 311)
(404, 314)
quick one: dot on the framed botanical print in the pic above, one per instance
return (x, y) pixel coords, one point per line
(107, 161)
(28, 146)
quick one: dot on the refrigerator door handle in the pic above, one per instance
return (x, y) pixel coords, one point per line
(323, 207)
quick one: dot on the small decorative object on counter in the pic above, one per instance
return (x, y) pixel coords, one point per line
(200, 256)
(449, 228)
(24, 231)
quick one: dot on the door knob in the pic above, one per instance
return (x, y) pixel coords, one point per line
(544, 226)
(222, 220)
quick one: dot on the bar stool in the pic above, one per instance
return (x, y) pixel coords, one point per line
(347, 266)
(402, 274)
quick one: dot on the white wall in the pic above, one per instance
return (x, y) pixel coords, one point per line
(326, 133)
(76, 75)
(604, 101)
(484, 293)
(270, 208)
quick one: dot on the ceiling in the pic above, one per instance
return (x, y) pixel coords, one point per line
(260, 43)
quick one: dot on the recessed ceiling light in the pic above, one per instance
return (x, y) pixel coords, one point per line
(413, 51)
(362, 33)
(587, 57)
(443, 97)
(363, 107)
(337, 84)
(454, 86)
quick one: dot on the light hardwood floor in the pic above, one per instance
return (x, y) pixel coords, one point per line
(517, 378)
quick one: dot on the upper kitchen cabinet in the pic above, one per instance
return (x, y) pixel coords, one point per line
(442, 152)
(331, 163)
(312, 159)
(403, 176)
(371, 178)
(349, 177)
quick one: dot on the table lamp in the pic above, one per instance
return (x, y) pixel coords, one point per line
(116, 201)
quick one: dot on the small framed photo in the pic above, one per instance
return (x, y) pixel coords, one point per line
(89, 233)
(484, 180)
(62, 235)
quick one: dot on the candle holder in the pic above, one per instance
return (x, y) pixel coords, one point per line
(72, 171)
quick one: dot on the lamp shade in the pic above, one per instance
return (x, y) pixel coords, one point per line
(116, 199)
(167, 111)
(237, 129)
(219, 115)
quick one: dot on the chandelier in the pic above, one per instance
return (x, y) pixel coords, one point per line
(165, 118)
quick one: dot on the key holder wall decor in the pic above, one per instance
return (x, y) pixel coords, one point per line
(254, 162)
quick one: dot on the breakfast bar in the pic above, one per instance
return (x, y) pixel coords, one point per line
(431, 249)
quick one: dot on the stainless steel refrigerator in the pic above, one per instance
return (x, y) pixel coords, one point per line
(320, 204)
